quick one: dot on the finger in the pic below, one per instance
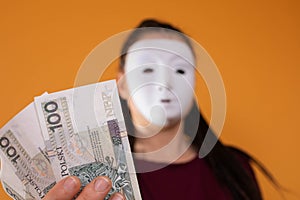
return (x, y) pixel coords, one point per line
(117, 196)
(96, 190)
(65, 189)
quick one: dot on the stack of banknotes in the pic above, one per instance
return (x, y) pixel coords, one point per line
(76, 132)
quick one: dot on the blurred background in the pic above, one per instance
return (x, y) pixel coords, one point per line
(255, 44)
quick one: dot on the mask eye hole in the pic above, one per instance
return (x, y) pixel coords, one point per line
(180, 71)
(148, 70)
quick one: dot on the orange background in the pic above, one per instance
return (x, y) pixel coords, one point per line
(255, 44)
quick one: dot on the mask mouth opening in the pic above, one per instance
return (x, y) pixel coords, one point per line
(165, 100)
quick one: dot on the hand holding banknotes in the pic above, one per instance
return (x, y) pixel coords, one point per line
(67, 188)
(70, 144)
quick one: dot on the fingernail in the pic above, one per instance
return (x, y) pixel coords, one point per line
(117, 196)
(70, 183)
(101, 184)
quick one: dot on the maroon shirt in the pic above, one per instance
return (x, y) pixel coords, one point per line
(192, 180)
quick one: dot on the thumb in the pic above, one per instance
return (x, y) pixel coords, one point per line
(65, 189)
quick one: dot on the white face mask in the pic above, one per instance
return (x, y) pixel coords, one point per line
(160, 75)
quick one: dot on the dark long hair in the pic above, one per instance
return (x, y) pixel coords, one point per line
(225, 161)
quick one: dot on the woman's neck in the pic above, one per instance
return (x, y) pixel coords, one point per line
(167, 145)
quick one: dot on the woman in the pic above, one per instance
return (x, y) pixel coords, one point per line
(156, 83)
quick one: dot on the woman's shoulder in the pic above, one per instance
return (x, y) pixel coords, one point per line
(245, 159)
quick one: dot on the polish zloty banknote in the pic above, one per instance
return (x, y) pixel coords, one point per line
(23, 156)
(85, 136)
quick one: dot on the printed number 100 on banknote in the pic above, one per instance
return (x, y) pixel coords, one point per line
(85, 136)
